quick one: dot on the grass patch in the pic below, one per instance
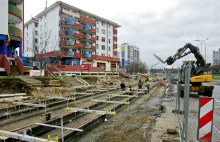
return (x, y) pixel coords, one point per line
(216, 76)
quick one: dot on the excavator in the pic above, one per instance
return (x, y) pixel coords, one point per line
(199, 66)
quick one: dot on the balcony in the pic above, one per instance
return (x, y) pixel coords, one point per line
(87, 55)
(93, 47)
(115, 52)
(15, 14)
(79, 45)
(70, 22)
(63, 21)
(70, 32)
(78, 26)
(78, 35)
(78, 55)
(106, 58)
(87, 36)
(63, 32)
(115, 31)
(69, 42)
(62, 42)
(88, 20)
(115, 38)
(93, 39)
(16, 1)
(14, 31)
(87, 27)
(70, 53)
(114, 59)
(87, 45)
(93, 30)
(115, 45)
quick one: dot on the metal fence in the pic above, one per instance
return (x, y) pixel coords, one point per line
(182, 107)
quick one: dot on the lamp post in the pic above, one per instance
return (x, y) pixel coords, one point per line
(200, 43)
(205, 45)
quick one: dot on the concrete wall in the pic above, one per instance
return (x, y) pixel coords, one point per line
(4, 17)
(29, 36)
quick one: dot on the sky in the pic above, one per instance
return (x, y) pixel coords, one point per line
(155, 26)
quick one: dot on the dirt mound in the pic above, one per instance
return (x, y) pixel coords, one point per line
(130, 130)
(14, 85)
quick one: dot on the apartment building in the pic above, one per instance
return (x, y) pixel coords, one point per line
(216, 57)
(129, 53)
(11, 27)
(72, 37)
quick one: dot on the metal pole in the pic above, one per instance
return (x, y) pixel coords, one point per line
(186, 111)
(62, 129)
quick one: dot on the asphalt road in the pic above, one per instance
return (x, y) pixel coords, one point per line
(193, 116)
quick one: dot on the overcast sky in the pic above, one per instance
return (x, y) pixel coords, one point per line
(156, 26)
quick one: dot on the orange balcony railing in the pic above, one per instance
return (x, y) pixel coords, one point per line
(115, 52)
(93, 39)
(79, 26)
(63, 21)
(62, 42)
(115, 38)
(80, 45)
(115, 31)
(93, 47)
(115, 45)
(86, 19)
(62, 32)
(78, 35)
(78, 55)
(93, 30)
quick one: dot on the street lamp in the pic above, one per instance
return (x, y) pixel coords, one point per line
(205, 45)
(200, 43)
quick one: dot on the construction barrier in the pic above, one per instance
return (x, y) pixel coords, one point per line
(205, 119)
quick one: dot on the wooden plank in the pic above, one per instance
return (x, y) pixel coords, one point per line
(91, 111)
(111, 102)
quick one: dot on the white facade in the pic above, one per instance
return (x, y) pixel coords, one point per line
(4, 18)
(216, 58)
(104, 30)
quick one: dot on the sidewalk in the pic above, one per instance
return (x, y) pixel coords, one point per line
(167, 120)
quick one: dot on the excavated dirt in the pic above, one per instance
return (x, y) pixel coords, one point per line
(133, 123)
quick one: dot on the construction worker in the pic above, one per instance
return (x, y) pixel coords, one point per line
(148, 80)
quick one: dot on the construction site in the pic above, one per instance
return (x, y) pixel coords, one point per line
(76, 109)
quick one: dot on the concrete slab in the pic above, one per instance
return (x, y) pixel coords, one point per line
(167, 120)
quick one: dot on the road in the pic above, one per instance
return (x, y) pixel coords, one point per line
(193, 116)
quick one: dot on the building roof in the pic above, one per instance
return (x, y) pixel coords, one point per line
(80, 10)
(32, 20)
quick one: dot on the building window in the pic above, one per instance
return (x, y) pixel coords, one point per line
(97, 30)
(103, 39)
(103, 47)
(109, 48)
(35, 40)
(97, 37)
(103, 54)
(45, 16)
(103, 31)
(97, 46)
(103, 24)
(109, 25)
(109, 33)
(36, 24)
(27, 26)
(36, 33)
(109, 41)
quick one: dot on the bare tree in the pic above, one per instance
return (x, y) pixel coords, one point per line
(137, 67)
(40, 48)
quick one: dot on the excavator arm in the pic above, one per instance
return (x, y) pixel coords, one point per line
(201, 65)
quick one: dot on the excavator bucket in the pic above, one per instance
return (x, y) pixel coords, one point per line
(158, 58)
